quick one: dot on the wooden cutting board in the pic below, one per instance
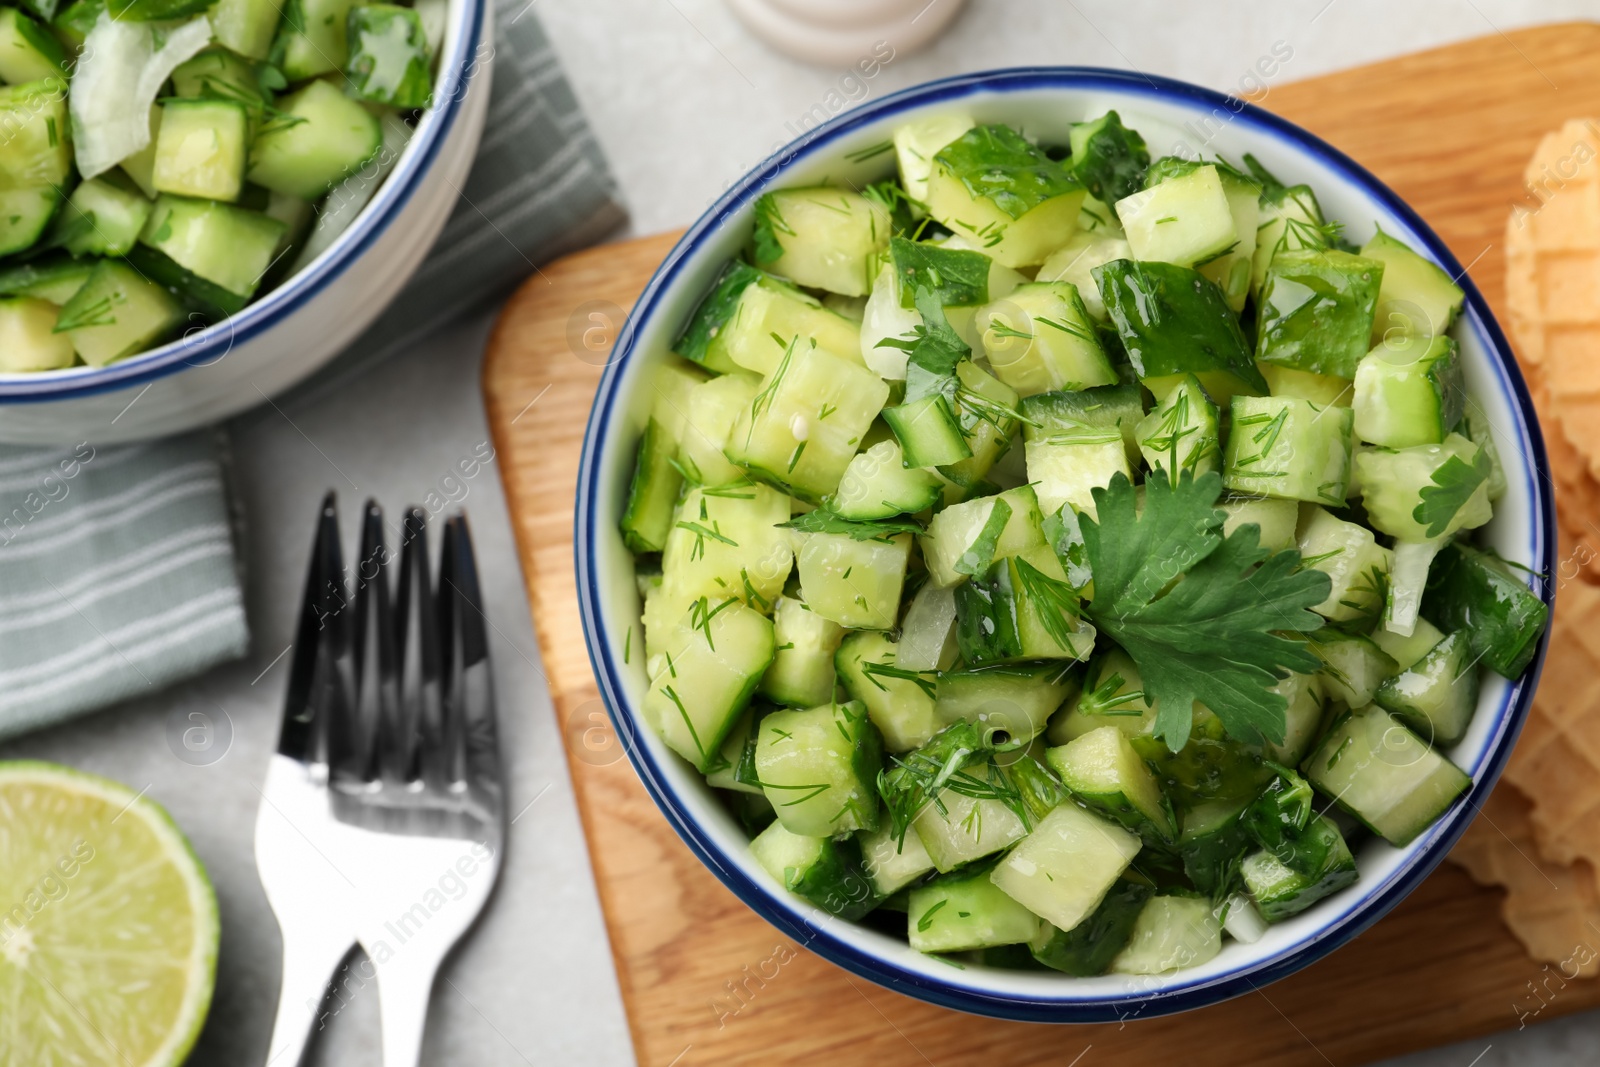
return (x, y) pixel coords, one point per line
(706, 981)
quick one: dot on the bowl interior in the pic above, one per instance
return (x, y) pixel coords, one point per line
(1174, 119)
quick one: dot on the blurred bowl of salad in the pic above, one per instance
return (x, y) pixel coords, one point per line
(1065, 544)
(202, 202)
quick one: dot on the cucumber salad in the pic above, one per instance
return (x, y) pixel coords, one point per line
(1063, 558)
(162, 162)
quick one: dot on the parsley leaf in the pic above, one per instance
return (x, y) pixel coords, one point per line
(933, 345)
(1453, 485)
(824, 520)
(1213, 636)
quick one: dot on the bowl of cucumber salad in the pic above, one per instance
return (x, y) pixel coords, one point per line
(203, 201)
(1058, 567)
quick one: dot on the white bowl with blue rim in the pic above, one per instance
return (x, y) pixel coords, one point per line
(1044, 102)
(215, 371)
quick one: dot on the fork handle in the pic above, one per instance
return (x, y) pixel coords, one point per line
(403, 996)
(308, 966)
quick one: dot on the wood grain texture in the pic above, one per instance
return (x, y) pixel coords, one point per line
(705, 981)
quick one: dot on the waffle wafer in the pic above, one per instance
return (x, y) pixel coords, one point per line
(1552, 908)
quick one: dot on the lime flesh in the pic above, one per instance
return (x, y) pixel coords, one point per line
(108, 925)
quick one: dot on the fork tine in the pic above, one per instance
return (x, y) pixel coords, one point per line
(298, 737)
(469, 701)
(376, 714)
(417, 640)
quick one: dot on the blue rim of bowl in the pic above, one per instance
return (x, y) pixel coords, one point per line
(216, 340)
(1176, 995)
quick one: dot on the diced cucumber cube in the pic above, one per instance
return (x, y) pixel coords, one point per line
(1101, 769)
(218, 73)
(213, 252)
(929, 431)
(1184, 220)
(1427, 492)
(141, 166)
(1282, 447)
(1172, 321)
(24, 214)
(1385, 775)
(1021, 608)
(27, 51)
(1314, 865)
(898, 699)
(825, 871)
(322, 137)
(1437, 695)
(802, 673)
(1356, 565)
(808, 420)
(200, 150)
(964, 279)
(1315, 311)
(313, 38)
(1063, 417)
(822, 238)
(1062, 870)
(1276, 519)
(1409, 391)
(1075, 262)
(1002, 192)
(965, 538)
(1108, 158)
(1232, 269)
(673, 381)
(1302, 718)
(246, 26)
(749, 319)
(710, 411)
(1353, 667)
(965, 911)
(877, 484)
(927, 633)
(1289, 221)
(957, 829)
(702, 681)
(1213, 838)
(1323, 390)
(653, 492)
(985, 414)
(728, 543)
(1068, 469)
(892, 865)
(853, 582)
(1181, 433)
(54, 279)
(117, 313)
(1040, 339)
(1476, 592)
(1417, 296)
(819, 768)
(1171, 934)
(1112, 695)
(1088, 948)
(729, 770)
(916, 143)
(37, 151)
(27, 338)
(102, 218)
(1407, 649)
(389, 62)
(1009, 703)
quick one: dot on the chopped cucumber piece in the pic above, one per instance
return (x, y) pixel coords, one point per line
(1408, 580)
(1068, 468)
(1040, 339)
(1385, 775)
(1075, 262)
(1302, 718)
(1290, 220)
(825, 871)
(218, 74)
(1427, 492)
(1171, 933)
(1184, 220)
(1112, 695)
(54, 278)
(957, 829)
(1108, 158)
(986, 418)
(893, 865)
(854, 583)
(1232, 269)
(1181, 433)
(117, 313)
(389, 61)
(246, 26)
(711, 665)
(1063, 870)
(1407, 649)
(1283, 447)
(1101, 769)
(750, 318)
(877, 484)
(322, 137)
(1021, 608)
(214, 253)
(1000, 191)
(27, 338)
(653, 492)
(1315, 864)
(728, 543)
(101, 218)
(734, 768)
(819, 768)
(1010, 704)
(929, 431)
(313, 38)
(1437, 695)
(37, 150)
(1315, 311)
(1276, 519)
(1356, 565)
(965, 538)
(898, 699)
(916, 143)
(1088, 948)
(1409, 391)
(1064, 417)
(24, 214)
(801, 674)
(1353, 667)
(1323, 390)
(822, 238)
(141, 165)
(1417, 297)
(963, 911)
(1213, 839)
(1477, 593)
(710, 410)
(1172, 321)
(27, 51)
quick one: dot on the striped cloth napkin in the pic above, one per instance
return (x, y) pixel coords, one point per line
(117, 568)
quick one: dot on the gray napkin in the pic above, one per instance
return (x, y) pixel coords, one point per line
(117, 569)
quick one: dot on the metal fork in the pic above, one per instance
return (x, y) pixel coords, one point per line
(383, 813)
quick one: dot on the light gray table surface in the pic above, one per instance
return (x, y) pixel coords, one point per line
(683, 101)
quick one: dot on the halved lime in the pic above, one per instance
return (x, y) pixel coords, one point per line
(108, 924)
